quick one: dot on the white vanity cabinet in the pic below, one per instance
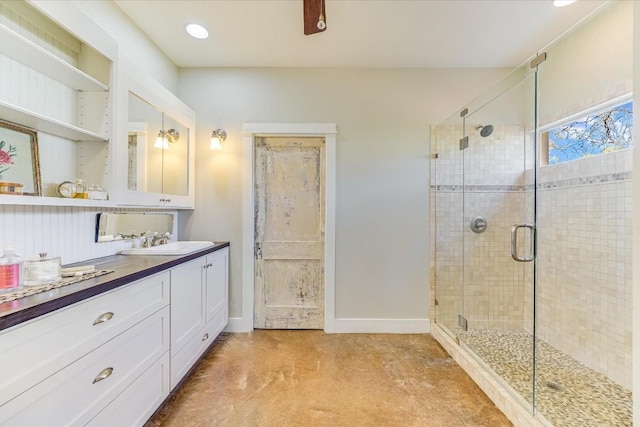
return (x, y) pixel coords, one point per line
(79, 362)
(58, 84)
(111, 360)
(199, 309)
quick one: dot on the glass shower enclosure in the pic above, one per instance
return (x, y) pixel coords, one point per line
(531, 256)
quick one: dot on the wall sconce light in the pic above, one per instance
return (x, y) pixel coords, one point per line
(217, 138)
(165, 137)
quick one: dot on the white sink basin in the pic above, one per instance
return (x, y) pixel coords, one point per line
(173, 248)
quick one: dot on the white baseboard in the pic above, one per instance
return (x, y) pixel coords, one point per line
(354, 326)
(238, 324)
(381, 326)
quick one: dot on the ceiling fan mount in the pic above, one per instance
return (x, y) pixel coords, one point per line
(315, 17)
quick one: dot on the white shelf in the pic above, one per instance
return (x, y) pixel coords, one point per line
(41, 123)
(53, 201)
(33, 56)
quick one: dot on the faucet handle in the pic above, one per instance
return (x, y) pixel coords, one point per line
(162, 239)
(148, 238)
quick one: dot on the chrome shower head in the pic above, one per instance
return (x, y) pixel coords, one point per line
(485, 131)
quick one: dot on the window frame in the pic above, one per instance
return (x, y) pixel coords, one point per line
(543, 131)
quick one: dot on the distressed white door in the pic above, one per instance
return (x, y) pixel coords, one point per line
(289, 232)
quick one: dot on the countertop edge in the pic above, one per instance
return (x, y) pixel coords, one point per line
(37, 305)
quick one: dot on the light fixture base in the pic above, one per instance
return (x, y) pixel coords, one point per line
(218, 136)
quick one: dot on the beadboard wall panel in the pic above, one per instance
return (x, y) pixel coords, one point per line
(63, 231)
(25, 87)
(31, 24)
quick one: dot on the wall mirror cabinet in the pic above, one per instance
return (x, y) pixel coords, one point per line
(60, 87)
(156, 146)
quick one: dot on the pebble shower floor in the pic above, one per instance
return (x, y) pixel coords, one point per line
(567, 393)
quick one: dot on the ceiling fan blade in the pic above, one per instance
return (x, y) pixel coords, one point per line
(313, 10)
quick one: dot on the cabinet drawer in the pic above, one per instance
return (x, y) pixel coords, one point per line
(33, 351)
(217, 323)
(184, 359)
(77, 393)
(189, 354)
(140, 400)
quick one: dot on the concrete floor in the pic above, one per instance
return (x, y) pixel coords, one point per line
(309, 378)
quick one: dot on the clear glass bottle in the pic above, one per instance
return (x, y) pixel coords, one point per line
(11, 271)
(81, 190)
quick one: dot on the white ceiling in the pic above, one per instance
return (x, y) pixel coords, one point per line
(360, 33)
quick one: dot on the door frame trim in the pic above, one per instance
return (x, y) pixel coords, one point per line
(250, 131)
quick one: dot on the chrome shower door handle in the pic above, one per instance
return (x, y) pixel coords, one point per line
(514, 243)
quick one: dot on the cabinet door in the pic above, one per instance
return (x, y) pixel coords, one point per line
(187, 302)
(159, 153)
(217, 280)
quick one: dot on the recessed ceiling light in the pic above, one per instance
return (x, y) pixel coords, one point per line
(197, 31)
(561, 3)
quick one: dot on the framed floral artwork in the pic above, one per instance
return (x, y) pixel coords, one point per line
(19, 161)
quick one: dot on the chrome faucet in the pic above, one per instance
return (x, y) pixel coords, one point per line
(148, 239)
(160, 240)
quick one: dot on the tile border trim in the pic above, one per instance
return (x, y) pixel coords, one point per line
(560, 183)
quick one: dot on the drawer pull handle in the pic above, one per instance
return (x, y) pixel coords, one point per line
(205, 337)
(103, 318)
(103, 375)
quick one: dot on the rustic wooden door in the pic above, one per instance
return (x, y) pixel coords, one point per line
(289, 232)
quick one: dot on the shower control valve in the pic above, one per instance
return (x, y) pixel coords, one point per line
(478, 224)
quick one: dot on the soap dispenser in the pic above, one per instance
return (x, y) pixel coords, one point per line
(11, 273)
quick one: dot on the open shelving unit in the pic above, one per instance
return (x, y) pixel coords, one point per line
(33, 56)
(39, 42)
(35, 120)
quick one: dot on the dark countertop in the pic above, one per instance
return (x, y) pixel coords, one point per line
(127, 269)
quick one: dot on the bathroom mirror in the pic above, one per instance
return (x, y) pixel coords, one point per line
(175, 159)
(142, 159)
(158, 150)
(112, 226)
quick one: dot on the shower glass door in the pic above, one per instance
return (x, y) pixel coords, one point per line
(498, 225)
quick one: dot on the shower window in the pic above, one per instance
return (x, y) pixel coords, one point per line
(598, 133)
